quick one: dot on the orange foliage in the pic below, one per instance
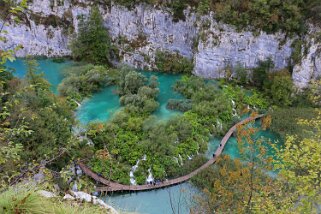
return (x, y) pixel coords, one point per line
(103, 154)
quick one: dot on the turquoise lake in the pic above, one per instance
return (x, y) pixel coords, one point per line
(101, 107)
(53, 72)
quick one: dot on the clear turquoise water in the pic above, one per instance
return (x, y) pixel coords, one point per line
(231, 147)
(166, 82)
(100, 107)
(53, 72)
(157, 201)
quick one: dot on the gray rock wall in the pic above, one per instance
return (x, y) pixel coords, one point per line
(224, 46)
(141, 31)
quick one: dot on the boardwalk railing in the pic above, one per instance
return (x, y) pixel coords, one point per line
(115, 187)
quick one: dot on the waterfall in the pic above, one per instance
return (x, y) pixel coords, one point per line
(176, 160)
(150, 177)
(78, 104)
(234, 112)
(219, 124)
(131, 173)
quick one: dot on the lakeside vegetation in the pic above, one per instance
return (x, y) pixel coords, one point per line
(36, 134)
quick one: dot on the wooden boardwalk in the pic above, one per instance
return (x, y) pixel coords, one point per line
(110, 186)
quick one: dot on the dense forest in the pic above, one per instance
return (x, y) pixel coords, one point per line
(37, 126)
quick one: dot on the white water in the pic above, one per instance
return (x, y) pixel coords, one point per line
(219, 125)
(234, 112)
(150, 177)
(131, 174)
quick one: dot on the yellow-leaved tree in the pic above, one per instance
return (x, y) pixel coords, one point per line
(297, 188)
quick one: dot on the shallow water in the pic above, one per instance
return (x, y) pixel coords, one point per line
(100, 107)
(156, 201)
(231, 147)
(166, 92)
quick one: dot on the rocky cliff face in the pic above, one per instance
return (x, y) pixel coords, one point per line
(141, 31)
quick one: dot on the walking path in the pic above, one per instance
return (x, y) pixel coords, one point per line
(115, 187)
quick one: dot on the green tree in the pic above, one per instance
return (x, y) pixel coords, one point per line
(10, 150)
(93, 43)
(260, 73)
(297, 187)
(282, 89)
(34, 78)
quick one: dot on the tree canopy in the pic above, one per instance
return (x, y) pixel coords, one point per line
(92, 43)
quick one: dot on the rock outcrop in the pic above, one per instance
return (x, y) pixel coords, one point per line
(82, 196)
(142, 30)
(310, 66)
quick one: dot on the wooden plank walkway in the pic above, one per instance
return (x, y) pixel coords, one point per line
(116, 187)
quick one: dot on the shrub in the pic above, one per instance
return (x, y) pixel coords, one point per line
(83, 80)
(173, 63)
(281, 88)
(180, 105)
(260, 73)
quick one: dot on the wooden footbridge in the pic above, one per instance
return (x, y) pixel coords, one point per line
(110, 186)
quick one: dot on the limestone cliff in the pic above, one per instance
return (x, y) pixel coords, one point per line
(142, 30)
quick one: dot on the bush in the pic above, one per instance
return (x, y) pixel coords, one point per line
(83, 80)
(285, 121)
(180, 105)
(260, 73)
(173, 63)
(280, 88)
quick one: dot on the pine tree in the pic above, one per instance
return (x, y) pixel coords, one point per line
(93, 43)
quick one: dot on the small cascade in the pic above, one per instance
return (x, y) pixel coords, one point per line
(233, 103)
(150, 177)
(219, 124)
(255, 109)
(131, 174)
(234, 112)
(176, 160)
(78, 104)
(189, 157)
(78, 132)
